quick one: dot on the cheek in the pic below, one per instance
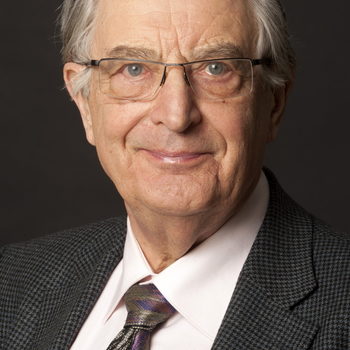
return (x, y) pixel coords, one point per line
(247, 121)
(236, 122)
(232, 121)
(112, 123)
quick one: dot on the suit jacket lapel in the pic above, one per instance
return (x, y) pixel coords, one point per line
(64, 309)
(277, 275)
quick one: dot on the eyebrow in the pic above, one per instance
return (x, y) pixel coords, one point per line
(133, 52)
(221, 50)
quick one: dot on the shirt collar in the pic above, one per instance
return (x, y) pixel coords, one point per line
(134, 267)
(200, 284)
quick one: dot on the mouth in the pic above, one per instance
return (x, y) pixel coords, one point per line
(176, 158)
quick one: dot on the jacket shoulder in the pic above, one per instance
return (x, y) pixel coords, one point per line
(55, 253)
(331, 253)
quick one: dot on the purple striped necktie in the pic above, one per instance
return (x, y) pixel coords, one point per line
(147, 308)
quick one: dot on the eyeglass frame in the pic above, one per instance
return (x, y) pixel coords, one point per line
(254, 62)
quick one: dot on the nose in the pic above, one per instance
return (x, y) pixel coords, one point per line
(175, 107)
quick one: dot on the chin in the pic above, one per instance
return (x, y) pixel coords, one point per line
(180, 206)
(172, 195)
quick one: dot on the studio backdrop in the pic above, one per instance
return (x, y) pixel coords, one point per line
(50, 175)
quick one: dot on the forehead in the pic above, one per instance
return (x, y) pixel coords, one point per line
(173, 29)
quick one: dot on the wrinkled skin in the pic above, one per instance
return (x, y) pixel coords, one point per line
(182, 165)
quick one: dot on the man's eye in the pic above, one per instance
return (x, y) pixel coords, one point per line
(134, 69)
(216, 68)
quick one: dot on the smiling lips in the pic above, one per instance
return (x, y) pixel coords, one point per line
(175, 157)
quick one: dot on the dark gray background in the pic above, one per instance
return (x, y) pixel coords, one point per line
(50, 177)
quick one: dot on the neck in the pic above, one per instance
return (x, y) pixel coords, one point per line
(165, 239)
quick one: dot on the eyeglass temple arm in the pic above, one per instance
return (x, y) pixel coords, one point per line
(266, 61)
(93, 63)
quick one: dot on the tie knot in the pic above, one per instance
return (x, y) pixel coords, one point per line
(146, 306)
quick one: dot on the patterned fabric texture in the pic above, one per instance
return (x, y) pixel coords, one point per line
(293, 292)
(147, 308)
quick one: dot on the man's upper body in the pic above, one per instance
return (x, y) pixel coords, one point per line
(292, 293)
(180, 99)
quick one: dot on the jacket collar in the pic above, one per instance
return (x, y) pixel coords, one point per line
(281, 257)
(277, 275)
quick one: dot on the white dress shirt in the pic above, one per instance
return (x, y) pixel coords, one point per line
(199, 285)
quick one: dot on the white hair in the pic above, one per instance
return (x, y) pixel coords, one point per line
(273, 41)
(77, 19)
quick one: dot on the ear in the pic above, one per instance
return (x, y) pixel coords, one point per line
(70, 72)
(280, 95)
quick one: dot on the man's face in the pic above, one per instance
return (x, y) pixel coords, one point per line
(179, 155)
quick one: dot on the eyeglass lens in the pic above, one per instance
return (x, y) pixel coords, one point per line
(215, 80)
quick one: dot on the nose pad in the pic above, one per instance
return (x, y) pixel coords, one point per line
(162, 82)
(186, 77)
(163, 77)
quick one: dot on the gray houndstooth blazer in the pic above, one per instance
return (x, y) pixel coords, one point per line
(293, 292)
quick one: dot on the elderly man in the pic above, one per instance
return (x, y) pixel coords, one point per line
(180, 99)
